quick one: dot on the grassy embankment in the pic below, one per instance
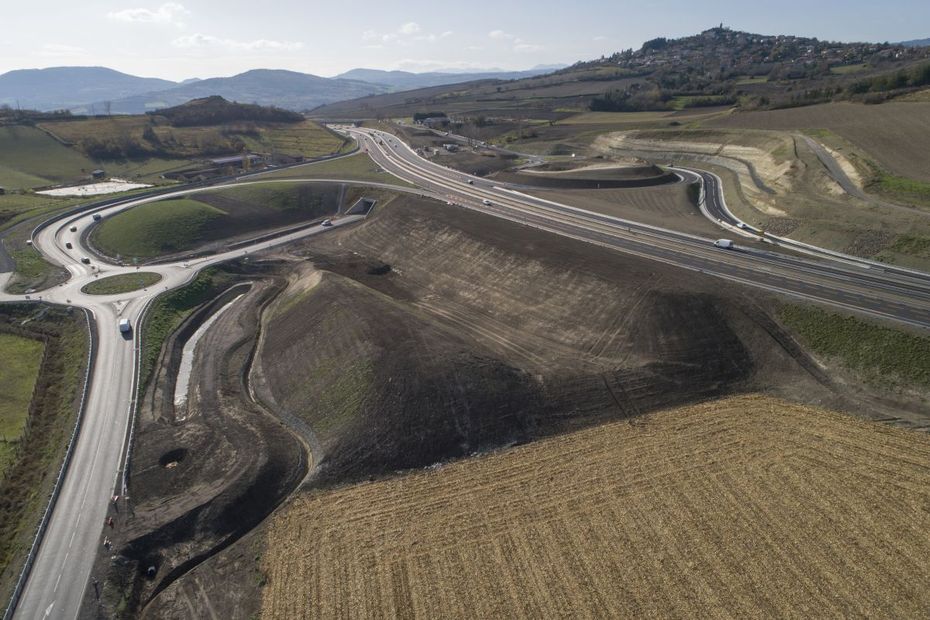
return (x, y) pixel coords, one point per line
(123, 283)
(22, 357)
(358, 167)
(170, 310)
(882, 355)
(31, 473)
(213, 217)
(155, 228)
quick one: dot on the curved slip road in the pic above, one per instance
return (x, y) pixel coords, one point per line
(65, 556)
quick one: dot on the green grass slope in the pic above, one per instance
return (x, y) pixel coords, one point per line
(156, 228)
(30, 158)
(189, 223)
(21, 360)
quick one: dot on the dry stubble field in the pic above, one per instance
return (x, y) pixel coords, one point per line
(747, 506)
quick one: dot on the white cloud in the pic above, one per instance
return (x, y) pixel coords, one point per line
(206, 41)
(525, 48)
(406, 34)
(519, 45)
(167, 13)
(600, 38)
(501, 35)
(58, 50)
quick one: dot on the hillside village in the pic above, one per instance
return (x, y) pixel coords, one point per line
(743, 53)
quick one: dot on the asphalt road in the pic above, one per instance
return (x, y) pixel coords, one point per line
(61, 572)
(901, 296)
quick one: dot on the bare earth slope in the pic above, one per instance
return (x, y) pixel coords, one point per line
(745, 507)
(438, 332)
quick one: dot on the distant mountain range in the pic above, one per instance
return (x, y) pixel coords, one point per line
(60, 88)
(406, 80)
(916, 43)
(90, 90)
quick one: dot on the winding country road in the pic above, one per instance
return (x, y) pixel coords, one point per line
(61, 571)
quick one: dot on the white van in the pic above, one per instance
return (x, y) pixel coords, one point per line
(124, 326)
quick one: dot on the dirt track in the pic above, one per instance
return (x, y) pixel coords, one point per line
(746, 507)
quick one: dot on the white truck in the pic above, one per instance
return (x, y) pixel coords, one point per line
(725, 244)
(125, 326)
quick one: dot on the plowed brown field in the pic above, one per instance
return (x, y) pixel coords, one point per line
(747, 506)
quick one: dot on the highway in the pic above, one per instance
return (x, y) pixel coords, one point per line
(889, 293)
(66, 555)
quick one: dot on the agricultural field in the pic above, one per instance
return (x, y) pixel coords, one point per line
(22, 357)
(30, 158)
(748, 506)
(153, 136)
(15, 208)
(895, 134)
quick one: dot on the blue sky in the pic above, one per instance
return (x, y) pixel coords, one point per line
(179, 39)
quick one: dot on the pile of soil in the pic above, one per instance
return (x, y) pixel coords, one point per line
(589, 177)
(484, 333)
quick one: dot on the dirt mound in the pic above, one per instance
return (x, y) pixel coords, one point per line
(589, 177)
(485, 333)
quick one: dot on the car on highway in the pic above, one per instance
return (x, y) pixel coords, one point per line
(725, 244)
(470, 182)
(68, 245)
(742, 226)
(97, 217)
(327, 223)
(124, 326)
(486, 202)
(85, 260)
(73, 229)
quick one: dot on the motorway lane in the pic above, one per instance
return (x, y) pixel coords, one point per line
(901, 297)
(65, 558)
(841, 266)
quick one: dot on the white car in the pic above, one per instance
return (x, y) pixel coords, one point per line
(125, 326)
(327, 223)
(486, 202)
(742, 225)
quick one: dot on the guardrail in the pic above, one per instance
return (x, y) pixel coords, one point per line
(46, 516)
